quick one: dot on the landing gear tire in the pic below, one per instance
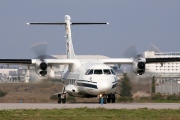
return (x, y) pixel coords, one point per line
(59, 98)
(111, 97)
(104, 99)
(114, 99)
(64, 100)
(108, 100)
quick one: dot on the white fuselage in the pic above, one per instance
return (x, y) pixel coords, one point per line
(90, 80)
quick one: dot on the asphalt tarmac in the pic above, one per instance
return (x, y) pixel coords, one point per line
(4, 106)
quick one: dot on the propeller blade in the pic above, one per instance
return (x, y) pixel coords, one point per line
(154, 48)
(40, 50)
(131, 51)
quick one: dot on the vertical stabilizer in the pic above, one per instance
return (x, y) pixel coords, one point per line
(69, 45)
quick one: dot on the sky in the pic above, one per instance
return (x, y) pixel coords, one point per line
(132, 22)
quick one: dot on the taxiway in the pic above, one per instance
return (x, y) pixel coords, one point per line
(4, 106)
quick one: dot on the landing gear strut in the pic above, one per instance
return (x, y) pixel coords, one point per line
(62, 97)
(111, 97)
(59, 98)
(107, 98)
(104, 98)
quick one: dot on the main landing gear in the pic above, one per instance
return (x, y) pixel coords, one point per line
(62, 97)
(107, 98)
(111, 98)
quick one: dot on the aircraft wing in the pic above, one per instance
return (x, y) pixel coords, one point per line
(117, 61)
(57, 61)
(16, 61)
(71, 61)
(146, 60)
(35, 61)
(161, 60)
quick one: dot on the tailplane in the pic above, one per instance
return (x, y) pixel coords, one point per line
(69, 45)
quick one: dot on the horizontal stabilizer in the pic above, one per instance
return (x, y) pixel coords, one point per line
(36, 23)
(90, 23)
(39, 23)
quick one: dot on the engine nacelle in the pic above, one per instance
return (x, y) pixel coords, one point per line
(139, 66)
(41, 67)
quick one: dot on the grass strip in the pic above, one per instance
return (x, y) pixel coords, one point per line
(90, 114)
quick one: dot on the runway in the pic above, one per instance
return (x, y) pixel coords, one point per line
(4, 106)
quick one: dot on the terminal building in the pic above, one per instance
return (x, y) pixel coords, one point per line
(167, 74)
(14, 74)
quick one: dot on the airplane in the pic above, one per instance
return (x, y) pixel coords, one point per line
(85, 77)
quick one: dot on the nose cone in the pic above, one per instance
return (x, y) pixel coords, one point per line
(104, 86)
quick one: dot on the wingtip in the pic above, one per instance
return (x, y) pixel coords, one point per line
(27, 23)
(107, 23)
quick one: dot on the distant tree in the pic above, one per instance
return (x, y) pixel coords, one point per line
(125, 87)
(153, 85)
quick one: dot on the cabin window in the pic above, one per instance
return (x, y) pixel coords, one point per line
(106, 71)
(112, 71)
(98, 71)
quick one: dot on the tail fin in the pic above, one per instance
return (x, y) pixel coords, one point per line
(69, 45)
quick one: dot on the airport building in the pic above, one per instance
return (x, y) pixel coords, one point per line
(13, 74)
(167, 74)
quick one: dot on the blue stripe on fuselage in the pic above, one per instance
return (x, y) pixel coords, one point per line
(87, 85)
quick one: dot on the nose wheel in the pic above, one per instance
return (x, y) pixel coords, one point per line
(102, 99)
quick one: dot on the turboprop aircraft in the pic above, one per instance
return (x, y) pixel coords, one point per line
(85, 77)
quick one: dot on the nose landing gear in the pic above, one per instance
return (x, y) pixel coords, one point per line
(102, 99)
(107, 98)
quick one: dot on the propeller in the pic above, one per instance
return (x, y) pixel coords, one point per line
(154, 48)
(131, 51)
(141, 83)
(40, 50)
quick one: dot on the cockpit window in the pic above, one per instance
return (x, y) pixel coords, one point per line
(89, 72)
(106, 71)
(98, 71)
(112, 71)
